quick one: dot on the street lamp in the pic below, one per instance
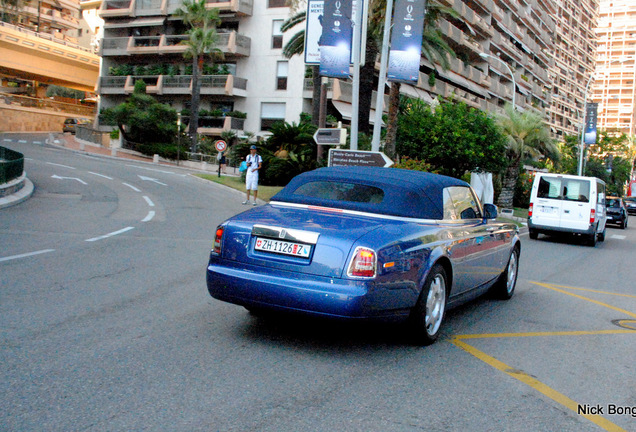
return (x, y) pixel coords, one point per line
(512, 75)
(582, 143)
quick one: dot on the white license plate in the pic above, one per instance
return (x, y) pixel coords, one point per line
(282, 247)
(548, 210)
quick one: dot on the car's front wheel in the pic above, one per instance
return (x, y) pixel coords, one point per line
(504, 288)
(428, 314)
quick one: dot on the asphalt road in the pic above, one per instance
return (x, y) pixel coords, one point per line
(107, 326)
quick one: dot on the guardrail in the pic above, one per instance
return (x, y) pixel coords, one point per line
(11, 165)
(45, 104)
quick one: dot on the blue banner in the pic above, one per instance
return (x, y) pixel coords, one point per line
(590, 123)
(406, 41)
(336, 39)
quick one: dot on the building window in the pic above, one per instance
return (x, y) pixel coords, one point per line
(271, 112)
(281, 75)
(276, 3)
(277, 34)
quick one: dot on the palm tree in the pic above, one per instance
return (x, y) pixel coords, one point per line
(527, 135)
(296, 46)
(436, 50)
(202, 39)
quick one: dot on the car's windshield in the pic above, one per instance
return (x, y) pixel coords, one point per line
(630, 199)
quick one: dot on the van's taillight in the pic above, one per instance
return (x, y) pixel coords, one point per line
(530, 210)
(363, 264)
(217, 240)
(592, 216)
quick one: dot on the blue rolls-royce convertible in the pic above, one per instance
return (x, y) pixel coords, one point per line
(366, 243)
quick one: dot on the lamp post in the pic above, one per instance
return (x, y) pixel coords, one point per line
(582, 143)
(178, 137)
(512, 75)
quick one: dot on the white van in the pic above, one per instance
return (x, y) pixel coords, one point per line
(569, 204)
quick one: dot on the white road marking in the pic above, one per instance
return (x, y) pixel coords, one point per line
(60, 165)
(7, 140)
(132, 187)
(157, 170)
(69, 178)
(149, 201)
(618, 237)
(100, 175)
(114, 233)
(148, 218)
(37, 142)
(150, 179)
(13, 257)
(22, 141)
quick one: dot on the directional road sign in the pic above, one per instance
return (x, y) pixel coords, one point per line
(331, 136)
(338, 157)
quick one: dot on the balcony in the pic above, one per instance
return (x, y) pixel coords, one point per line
(231, 44)
(238, 7)
(217, 125)
(116, 8)
(226, 85)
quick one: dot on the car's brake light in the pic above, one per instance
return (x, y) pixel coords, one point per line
(217, 240)
(530, 210)
(592, 215)
(363, 264)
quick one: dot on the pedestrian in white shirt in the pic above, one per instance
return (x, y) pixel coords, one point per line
(254, 164)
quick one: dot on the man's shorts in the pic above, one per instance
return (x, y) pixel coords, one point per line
(251, 181)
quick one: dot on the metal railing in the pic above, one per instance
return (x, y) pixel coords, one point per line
(11, 165)
(46, 104)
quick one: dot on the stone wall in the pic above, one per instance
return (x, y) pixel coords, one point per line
(22, 119)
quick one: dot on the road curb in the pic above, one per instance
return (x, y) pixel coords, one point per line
(23, 194)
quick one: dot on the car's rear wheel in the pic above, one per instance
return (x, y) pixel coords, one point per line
(504, 288)
(601, 235)
(428, 314)
(591, 239)
(533, 234)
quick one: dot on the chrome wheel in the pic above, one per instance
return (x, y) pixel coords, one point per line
(511, 273)
(435, 305)
(427, 316)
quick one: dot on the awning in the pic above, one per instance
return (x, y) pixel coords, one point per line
(139, 22)
(416, 93)
(344, 109)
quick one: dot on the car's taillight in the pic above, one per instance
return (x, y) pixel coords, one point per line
(217, 240)
(592, 216)
(363, 264)
(530, 210)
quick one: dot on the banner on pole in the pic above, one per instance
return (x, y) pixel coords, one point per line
(406, 41)
(336, 39)
(590, 123)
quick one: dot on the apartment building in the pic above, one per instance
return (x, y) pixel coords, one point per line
(614, 86)
(574, 56)
(141, 41)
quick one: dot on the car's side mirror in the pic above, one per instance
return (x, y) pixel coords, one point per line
(490, 211)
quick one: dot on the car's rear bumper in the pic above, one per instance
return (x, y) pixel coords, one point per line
(547, 229)
(293, 292)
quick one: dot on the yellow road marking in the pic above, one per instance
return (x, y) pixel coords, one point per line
(537, 385)
(533, 382)
(594, 291)
(534, 334)
(584, 298)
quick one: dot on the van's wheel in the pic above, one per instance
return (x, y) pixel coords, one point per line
(591, 239)
(601, 236)
(504, 288)
(533, 234)
(428, 313)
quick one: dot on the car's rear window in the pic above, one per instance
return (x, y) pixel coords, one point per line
(341, 191)
(613, 202)
(564, 189)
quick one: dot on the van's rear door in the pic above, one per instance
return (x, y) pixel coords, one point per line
(548, 203)
(579, 197)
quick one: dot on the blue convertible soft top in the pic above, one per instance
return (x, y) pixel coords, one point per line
(407, 193)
